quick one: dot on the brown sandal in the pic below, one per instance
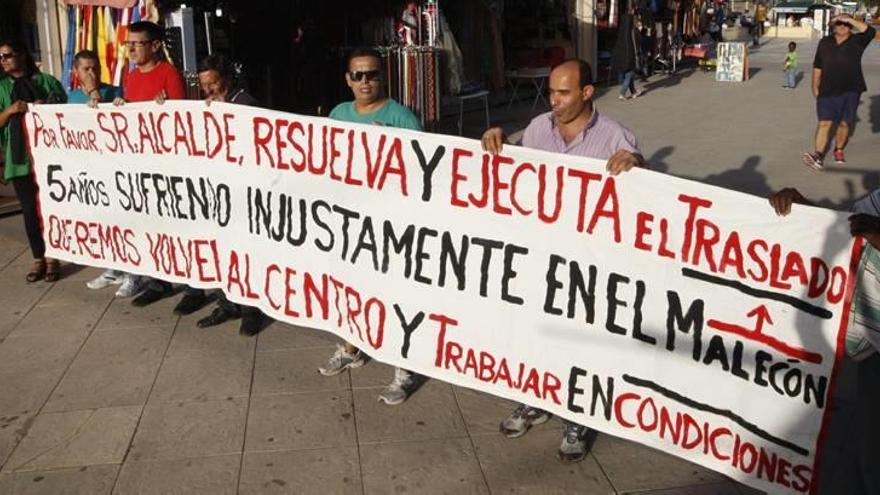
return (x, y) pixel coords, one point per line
(38, 271)
(53, 271)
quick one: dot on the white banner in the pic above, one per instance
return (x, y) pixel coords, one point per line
(679, 315)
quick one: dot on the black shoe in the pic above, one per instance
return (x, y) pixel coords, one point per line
(148, 297)
(251, 324)
(218, 316)
(191, 303)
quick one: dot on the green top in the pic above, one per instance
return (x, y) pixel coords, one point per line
(392, 114)
(46, 85)
(791, 60)
(108, 93)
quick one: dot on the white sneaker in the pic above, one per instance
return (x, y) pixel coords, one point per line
(399, 389)
(131, 285)
(341, 361)
(106, 279)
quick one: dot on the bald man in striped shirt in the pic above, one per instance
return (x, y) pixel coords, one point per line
(573, 126)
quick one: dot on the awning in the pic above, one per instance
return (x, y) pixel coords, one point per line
(119, 4)
(794, 6)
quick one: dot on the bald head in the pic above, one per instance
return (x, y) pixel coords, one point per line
(577, 68)
(571, 91)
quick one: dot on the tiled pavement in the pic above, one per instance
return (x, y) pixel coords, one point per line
(99, 397)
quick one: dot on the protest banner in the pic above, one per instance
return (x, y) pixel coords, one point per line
(679, 315)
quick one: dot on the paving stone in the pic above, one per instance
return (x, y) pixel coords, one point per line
(72, 292)
(300, 421)
(13, 427)
(445, 466)
(85, 480)
(222, 341)
(371, 375)
(31, 367)
(28, 352)
(25, 391)
(177, 430)
(122, 315)
(10, 250)
(19, 297)
(75, 438)
(656, 470)
(44, 320)
(202, 475)
(295, 371)
(726, 488)
(333, 471)
(113, 369)
(430, 413)
(200, 376)
(483, 412)
(70, 271)
(528, 465)
(282, 336)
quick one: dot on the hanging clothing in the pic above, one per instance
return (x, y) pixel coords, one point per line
(625, 55)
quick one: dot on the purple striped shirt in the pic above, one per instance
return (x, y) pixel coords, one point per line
(601, 138)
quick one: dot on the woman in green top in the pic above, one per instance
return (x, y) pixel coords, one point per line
(23, 83)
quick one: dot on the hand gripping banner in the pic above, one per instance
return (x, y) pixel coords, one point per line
(679, 315)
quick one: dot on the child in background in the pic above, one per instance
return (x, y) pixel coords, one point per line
(790, 66)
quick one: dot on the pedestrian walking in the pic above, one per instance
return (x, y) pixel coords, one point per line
(790, 66)
(838, 83)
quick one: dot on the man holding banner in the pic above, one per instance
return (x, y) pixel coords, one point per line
(371, 106)
(152, 79)
(217, 82)
(863, 331)
(573, 126)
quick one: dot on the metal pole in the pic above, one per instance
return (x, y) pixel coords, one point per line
(208, 33)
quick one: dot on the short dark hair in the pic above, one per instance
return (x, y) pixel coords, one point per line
(364, 52)
(153, 31)
(85, 55)
(585, 72)
(792, 45)
(219, 63)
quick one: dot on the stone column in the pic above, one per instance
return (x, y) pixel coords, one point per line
(585, 32)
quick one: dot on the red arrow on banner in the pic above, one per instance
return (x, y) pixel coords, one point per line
(762, 316)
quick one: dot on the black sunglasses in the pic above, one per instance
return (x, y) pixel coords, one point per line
(371, 75)
(7, 56)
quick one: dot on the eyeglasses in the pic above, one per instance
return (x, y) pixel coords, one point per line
(371, 75)
(132, 44)
(7, 56)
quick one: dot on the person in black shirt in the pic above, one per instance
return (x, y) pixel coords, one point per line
(838, 83)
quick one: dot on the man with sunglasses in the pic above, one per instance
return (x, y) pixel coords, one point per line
(838, 84)
(371, 106)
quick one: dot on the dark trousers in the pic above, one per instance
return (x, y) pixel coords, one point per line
(26, 191)
(235, 308)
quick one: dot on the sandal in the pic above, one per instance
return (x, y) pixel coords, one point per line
(53, 271)
(38, 271)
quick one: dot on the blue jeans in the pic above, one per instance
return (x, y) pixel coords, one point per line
(790, 81)
(627, 82)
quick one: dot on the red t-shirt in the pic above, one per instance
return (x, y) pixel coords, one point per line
(144, 86)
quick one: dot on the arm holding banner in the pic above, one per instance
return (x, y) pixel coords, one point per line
(860, 224)
(16, 107)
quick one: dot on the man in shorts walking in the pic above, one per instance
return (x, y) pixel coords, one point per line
(838, 83)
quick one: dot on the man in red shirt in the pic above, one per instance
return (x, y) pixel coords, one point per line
(152, 79)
